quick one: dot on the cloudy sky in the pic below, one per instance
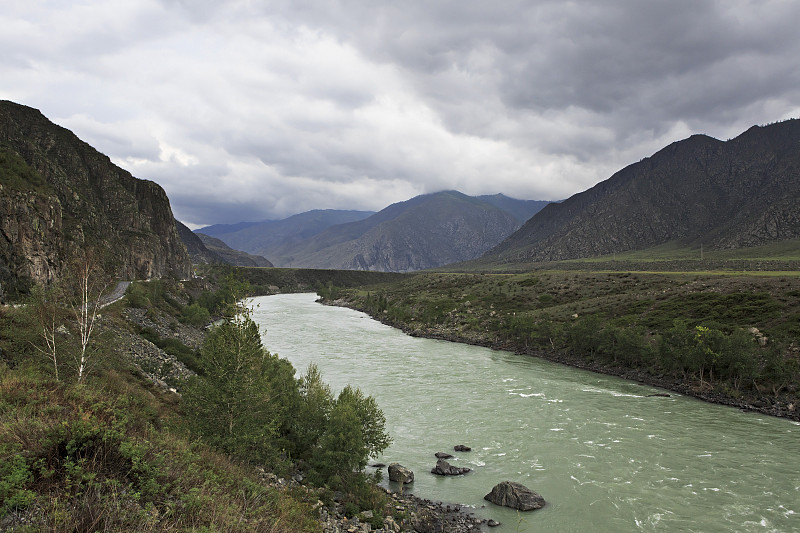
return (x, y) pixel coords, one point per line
(251, 110)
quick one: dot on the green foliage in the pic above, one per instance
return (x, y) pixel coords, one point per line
(174, 347)
(241, 402)
(313, 412)
(738, 308)
(79, 458)
(195, 315)
(15, 478)
(16, 174)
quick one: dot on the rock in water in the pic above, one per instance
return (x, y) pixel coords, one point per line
(462, 448)
(516, 496)
(443, 455)
(443, 468)
(400, 474)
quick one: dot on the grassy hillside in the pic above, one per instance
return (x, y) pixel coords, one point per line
(114, 453)
(119, 450)
(673, 256)
(724, 336)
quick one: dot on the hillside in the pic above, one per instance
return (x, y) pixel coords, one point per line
(203, 249)
(423, 232)
(699, 191)
(59, 197)
(262, 238)
(522, 210)
(231, 256)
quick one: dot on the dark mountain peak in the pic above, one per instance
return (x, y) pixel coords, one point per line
(738, 193)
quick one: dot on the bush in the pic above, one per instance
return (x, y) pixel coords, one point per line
(195, 315)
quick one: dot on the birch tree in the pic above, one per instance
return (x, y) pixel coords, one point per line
(85, 306)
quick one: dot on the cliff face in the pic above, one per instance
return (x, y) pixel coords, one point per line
(61, 198)
(734, 194)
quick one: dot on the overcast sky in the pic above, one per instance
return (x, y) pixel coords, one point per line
(252, 110)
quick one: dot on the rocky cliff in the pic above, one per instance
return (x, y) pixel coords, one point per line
(60, 198)
(722, 194)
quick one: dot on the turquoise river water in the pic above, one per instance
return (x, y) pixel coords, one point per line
(604, 455)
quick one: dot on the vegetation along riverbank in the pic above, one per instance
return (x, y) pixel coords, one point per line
(728, 337)
(158, 422)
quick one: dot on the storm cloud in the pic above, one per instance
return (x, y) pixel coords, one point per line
(248, 111)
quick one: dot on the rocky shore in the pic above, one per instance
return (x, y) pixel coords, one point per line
(405, 513)
(767, 405)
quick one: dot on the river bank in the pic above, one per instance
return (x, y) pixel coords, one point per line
(768, 405)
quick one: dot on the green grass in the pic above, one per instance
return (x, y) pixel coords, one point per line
(17, 175)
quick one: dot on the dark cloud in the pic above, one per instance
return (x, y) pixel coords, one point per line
(249, 111)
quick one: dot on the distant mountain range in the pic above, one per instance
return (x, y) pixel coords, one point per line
(424, 232)
(736, 194)
(262, 238)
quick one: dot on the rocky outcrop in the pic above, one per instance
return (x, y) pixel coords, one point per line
(30, 223)
(400, 474)
(516, 496)
(61, 198)
(462, 448)
(443, 468)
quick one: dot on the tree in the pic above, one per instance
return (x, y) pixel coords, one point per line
(85, 305)
(355, 431)
(242, 402)
(44, 304)
(316, 403)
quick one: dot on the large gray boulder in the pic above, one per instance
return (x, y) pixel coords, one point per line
(516, 496)
(400, 474)
(443, 468)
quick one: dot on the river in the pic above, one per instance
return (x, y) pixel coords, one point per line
(604, 455)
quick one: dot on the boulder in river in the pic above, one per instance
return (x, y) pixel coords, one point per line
(443, 455)
(443, 468)
(462, 448)
(516, 496)
(400, 474)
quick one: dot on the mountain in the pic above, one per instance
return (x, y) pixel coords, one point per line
(231, 256)
(522, 210)
(735, 194)
(263, 237)
(204, 250)
(424, 232)
(59, 198)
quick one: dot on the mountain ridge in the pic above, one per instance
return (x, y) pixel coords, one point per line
(423, 232)
(723, 194)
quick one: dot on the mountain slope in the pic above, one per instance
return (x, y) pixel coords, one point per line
(231, 256)
(262, 237)
(59, 197)
(522, 210)
(207, 250)
(724, 195)
(424, 232)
